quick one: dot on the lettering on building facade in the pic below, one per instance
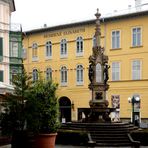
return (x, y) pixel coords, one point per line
(60, 33)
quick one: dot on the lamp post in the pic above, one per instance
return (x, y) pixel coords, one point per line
(133, 100)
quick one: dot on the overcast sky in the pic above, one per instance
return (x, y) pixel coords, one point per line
(33, 14)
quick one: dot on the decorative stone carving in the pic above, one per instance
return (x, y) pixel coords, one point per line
(98, 76)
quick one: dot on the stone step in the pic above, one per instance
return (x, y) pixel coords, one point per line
(105, 134)
(100, 129)
(99, 126)
(109, 136)
(103, 144)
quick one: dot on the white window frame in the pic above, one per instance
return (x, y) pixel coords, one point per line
(79, 46)
(80, 75)
(63, 49)
(14, 47)
(64, 76)
(116, 71)
(116, 44)
(48, 50)
(137, 38)
(136, 73)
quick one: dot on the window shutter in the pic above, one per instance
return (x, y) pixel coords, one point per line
(1, 76)
(1, 48)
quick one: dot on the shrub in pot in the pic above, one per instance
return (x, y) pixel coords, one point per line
(43, 111)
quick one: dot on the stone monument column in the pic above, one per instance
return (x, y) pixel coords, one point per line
(98, 74)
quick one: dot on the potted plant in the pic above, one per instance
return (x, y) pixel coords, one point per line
(13, 117)
(43, 113)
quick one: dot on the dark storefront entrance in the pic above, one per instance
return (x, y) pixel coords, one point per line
(65, 109)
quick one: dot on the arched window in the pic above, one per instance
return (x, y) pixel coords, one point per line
(79, 72)
(63, 51)
(14, 47)
(35, 75)
(79, 46)
(63, 75)
(48, 73)
(34, 51)
(98, 73)
(48, 49)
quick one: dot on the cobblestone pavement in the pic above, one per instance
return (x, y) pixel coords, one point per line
(68, 146)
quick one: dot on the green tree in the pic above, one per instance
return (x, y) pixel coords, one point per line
(14, 115)
(43, 109)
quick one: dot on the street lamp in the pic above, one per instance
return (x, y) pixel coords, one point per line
(133, 100)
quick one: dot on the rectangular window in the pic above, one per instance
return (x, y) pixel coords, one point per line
(136, 36)
(79, 46)
(63, 51)
(14, 49)
(1, 76)
(136, 70)
(115, 71)
(79, 76)
(63, 78)
(1, 48)
(115, 39)
(48, 52)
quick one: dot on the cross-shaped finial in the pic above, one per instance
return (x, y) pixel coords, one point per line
(97, 10)
(97, 14)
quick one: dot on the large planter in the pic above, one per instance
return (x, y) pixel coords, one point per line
(45, 140)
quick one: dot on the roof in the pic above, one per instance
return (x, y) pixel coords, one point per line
(87, 22)
(11, 3)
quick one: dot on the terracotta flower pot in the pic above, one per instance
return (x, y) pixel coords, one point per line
(46, 140)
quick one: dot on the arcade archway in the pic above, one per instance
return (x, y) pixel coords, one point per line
(65, 109)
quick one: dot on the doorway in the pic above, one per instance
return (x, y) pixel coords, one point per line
(65, 109)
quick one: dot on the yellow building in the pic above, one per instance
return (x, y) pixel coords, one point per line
(62, 52)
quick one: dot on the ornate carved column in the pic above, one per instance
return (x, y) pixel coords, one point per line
(98, 70)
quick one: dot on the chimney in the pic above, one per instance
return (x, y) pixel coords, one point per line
(129, 8)
(45, 25)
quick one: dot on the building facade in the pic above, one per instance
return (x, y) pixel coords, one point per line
(10, 46)
(61, 53)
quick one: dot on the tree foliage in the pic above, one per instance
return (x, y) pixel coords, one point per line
(43, 107)
(14, 115)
